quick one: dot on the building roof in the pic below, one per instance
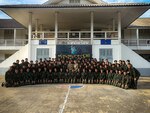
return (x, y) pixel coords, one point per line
(141, 23)
(104, 12)
(75, 5)
(9, 23)
(50, 2)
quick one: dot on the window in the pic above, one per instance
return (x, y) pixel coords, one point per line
(105, 54)
(42, 53)
(74, 1)
(9, 32)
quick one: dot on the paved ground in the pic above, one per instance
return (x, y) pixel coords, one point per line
(88, 99)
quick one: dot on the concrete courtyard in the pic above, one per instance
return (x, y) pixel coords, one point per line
(60, 98)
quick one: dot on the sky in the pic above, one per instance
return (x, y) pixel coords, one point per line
(9, 2)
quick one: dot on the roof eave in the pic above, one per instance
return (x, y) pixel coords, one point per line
(73, 6)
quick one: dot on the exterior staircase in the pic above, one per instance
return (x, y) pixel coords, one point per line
(19, 55)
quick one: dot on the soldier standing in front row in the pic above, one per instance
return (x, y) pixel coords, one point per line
(61, 75)
(110, 76)
(50, 76)
(125, 80)
(78, 76)
(96, 74)
(131, 73)
(8, 78)
(90, 77)
(83, 76)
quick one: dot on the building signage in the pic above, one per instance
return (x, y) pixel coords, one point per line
(42, 42)
(105, 42)
(85, 50)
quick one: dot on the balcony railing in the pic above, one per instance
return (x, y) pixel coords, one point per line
(136, 42)
(43, 35)
(12, 42)
(106, 35)
(75, 35)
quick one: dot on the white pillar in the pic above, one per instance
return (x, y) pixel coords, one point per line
(113, 25)
(56, 25)
(15, 36)
(29, 35)
(137, 36)
(36, 27)
(92, 26)
(119, 27)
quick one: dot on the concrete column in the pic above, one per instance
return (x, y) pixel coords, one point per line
(113, 25)
(137, 36)
(36, 27)
(119, 27)
(92, 26)
(56, 25)
(15, 36)
(29, 35)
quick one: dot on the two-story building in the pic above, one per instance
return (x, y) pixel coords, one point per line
(91, 26)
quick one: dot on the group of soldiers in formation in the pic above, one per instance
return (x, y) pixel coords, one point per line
(72, 69)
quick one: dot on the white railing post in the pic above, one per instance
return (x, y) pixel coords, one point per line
(79, 35)
(105, 35)
(43, 35)
(137, 36)
(56, 26)
(68, 36)
(36, 28)
(92, 26)
(119, 27)
(15, 36)
(29, 35)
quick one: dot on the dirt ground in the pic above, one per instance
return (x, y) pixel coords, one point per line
(90, 98)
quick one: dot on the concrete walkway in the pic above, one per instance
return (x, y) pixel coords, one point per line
(91, 98)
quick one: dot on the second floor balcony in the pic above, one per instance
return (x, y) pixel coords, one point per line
(75, 35)
(136, 42)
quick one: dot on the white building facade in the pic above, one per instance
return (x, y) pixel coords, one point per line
(79, 23)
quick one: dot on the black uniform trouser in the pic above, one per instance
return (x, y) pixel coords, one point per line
(132, 83)
(136, 82)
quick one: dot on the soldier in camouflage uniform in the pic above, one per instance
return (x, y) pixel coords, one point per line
(125, 80)
(83, 76)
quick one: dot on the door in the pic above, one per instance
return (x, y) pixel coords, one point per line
(106, 54)
(42, 53)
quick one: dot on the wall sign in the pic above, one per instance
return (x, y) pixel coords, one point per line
(105, 42)
(42, 42)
